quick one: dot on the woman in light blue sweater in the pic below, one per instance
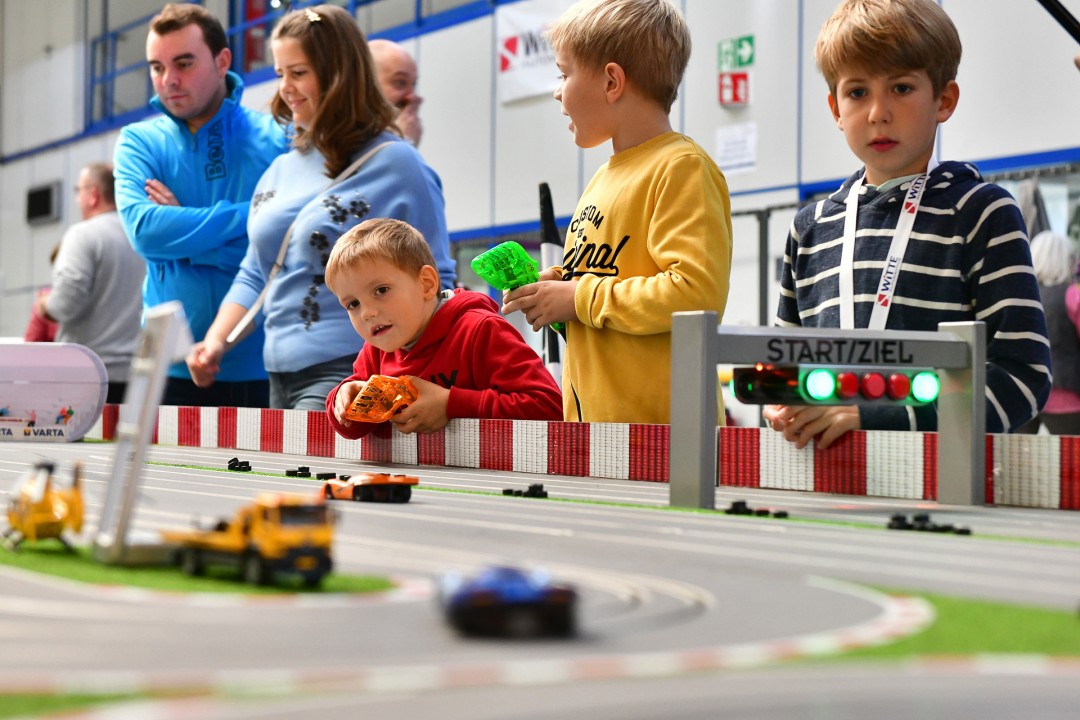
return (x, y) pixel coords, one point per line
(328, 89)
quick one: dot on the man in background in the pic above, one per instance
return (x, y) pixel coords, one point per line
(97, 281)
(397, 76)
(184, 185)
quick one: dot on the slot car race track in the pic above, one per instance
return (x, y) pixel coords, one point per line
(665, 597)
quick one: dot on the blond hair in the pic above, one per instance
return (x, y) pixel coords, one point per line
(885, 36)
(649, 39)
(394, 241)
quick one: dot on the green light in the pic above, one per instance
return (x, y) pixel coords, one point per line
(820, 384)
(925, 386)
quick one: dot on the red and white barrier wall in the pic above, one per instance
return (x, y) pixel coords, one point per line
(1024, 470)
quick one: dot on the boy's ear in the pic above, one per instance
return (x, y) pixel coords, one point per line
(947, 102)
(429, 282)
(614, 81)
(835, 111)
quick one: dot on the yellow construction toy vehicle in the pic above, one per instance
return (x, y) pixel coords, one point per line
(276, 534)
(39, 510)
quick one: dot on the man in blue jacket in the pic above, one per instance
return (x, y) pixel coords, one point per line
(184, 182)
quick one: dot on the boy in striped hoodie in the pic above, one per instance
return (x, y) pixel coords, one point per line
(907, 243)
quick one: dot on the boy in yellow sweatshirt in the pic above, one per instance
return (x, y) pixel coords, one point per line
(652, 232)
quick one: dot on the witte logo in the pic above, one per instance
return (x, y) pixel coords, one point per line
(525, 50)
(888, 278)
(916, 187)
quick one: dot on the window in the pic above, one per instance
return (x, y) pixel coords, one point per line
(119, 86)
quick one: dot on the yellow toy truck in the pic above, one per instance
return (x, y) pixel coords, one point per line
(39, 510)
(276, 534)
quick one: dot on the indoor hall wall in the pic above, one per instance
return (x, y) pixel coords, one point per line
(531, 141)
(771, 113)
(456, 84)
(1019, 95)
(1019, 88)
(43, 59)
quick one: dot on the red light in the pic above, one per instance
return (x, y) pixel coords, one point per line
(873, 386)
(899, 386)
(847, 385)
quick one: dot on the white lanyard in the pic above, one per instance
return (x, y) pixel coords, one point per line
(890, 273)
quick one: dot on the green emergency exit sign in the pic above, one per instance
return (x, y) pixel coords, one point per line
(735, 53)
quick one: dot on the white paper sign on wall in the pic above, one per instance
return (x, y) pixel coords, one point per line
(524, 61)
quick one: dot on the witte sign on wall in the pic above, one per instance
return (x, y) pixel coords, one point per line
(525, 62)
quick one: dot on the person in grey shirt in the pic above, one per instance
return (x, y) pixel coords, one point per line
(97, 281)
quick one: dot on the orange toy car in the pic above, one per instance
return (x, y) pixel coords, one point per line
(381, 397)
(371, 487)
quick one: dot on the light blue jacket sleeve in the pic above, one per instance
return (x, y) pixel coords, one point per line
(248, 283)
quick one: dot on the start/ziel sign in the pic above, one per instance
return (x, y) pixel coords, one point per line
(839, 351)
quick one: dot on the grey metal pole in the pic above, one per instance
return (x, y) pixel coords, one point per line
(961, 459)
(692, 464)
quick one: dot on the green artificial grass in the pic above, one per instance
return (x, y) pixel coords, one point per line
(25, 705)
(51, 558)
(977, 627)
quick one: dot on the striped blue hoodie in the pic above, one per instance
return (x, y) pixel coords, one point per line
(967, 259)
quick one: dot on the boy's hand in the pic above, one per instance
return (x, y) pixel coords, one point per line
(344, 399)
(545, 302)
(428, 413)
(801, 424)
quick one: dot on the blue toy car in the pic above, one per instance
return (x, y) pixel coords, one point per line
(508, 602)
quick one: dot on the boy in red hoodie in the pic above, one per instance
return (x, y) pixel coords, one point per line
(464, 358)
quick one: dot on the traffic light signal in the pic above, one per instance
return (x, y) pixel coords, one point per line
(764, 384)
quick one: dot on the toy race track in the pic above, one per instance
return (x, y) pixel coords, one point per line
(680, 613)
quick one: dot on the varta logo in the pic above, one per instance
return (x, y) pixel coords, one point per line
(42, 432)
